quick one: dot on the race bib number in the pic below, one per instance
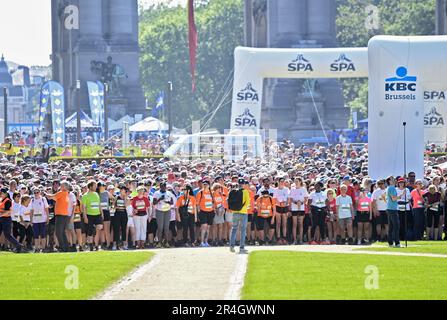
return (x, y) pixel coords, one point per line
(420, 203)
(208, 205)
(166, 207)
(104, 205)
(434, 209)
(265, 212)
(94, 205)
(401, 207)
(345, 206)
(364, 205)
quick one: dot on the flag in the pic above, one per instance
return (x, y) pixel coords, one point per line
(193, 40)
(160, 104)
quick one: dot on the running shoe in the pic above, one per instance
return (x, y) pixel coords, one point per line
(313, 243)
(243, 251)
(232, 250)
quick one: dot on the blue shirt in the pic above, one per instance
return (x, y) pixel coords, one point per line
(390, 204)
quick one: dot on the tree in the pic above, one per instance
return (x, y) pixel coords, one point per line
(165, 57)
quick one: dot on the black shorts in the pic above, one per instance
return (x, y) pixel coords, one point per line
(282, 210)
(260, 222)
(106, 215)
(433, 218)
(382, 219)
(152, 227)
(362, 217)
(250, 218)
(206, 217)
(297, 213)
(79, 225)
(179, 225)
(93, 221)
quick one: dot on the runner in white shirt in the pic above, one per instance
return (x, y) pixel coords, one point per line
(318, 203)
(379, 210)
(297, 199)
(345, 213)
(40, 220)
(281, 196)
(15, 213)
(26, 231)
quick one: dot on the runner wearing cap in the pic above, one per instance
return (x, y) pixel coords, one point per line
(364, 216)
(141, 209)
(345, 215)
(432, 199)
(379, 207)
(104, 196)
(265, 205)
(40, 220)
(187, 214)
(119, 221)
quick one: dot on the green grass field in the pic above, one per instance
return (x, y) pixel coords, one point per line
(331, 276)
(44, 277)
(438, 247)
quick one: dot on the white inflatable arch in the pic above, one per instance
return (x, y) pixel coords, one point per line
(401, 70)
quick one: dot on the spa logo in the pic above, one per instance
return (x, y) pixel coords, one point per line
(342, 64)
(249, 94)
(300, 64)
(246, 119)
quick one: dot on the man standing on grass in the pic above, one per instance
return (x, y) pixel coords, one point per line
(61, 211)
(93, 215)
(393, 213)
(238, 202)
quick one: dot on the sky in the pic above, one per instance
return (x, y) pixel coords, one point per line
(25, 30)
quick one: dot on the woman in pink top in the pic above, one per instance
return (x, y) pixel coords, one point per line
(418, 210)
(364, 216)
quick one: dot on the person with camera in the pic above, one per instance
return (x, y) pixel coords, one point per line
(163, 200)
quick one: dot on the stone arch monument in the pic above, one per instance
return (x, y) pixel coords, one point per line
(102, 46)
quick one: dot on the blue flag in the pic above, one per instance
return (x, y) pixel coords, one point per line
(160, 104)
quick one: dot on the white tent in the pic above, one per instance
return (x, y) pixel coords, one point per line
(118, 125)
(153, 125)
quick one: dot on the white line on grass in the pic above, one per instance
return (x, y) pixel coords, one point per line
(113, 291)
(237, 278)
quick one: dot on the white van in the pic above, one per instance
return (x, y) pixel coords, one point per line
(224, 146)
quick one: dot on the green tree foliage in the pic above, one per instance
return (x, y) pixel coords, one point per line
(410, 17)
(165, 57)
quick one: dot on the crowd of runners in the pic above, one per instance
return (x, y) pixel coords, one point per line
(313, 195)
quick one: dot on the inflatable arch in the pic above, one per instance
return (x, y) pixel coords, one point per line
(400, 70)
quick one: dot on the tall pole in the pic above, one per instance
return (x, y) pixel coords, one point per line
(106, 112)
(5, 111)
(78, 119)
(405, 177)
(169, 97)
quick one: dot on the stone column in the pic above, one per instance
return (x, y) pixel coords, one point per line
(321, 21)
(441, 17)
(287, 22)
(123, 23)
(90, 22)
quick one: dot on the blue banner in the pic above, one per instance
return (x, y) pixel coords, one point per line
(52, 96)
(58, 112)
(96, 100)
(44, 101)
(160, 104)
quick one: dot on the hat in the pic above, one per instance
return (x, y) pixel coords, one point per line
(346, 178)
(401, 180)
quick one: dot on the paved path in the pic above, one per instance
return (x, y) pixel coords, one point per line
(205, 273)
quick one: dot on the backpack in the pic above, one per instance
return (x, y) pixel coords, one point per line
(183, 210)
(235, 199)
